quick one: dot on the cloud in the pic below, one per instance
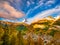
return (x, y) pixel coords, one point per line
(38, 6)
(45, 13)
(47, 3)
(28, 3)
(9, 12)
(41, 3)
(50, 2)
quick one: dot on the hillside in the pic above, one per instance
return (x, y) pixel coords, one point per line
(43, 31)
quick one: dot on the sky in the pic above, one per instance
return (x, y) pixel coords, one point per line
(18, 10)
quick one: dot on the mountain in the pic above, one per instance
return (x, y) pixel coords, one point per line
(44, 30)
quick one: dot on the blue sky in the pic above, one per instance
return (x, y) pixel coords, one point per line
(12, 10)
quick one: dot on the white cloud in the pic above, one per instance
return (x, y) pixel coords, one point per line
(32, 2)
(41, 4)
(28, 3)
(50, 2)
(44, 14)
